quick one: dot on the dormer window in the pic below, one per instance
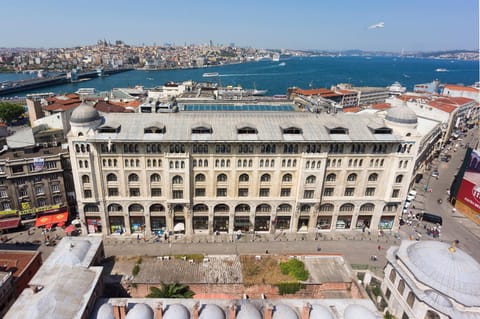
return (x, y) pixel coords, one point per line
(247, 130)
(109, 129)
(154, 130)
(202, 130)
(292, 130)
(338, 130)
(382, 130)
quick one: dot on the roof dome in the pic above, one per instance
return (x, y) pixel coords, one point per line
(402, 115)
(320, 312)
(105, 312)
(284, 312)
(211, 311)
(452, 272)
(248, 311)
(176, 311)
(358, 312)
(84, 113)
(140, 311)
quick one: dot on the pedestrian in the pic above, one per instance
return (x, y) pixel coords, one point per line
(318, 248)
(138, 237)
(379, 247)
(266, 251)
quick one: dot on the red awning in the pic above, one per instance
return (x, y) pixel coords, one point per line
(69, 229)
(7, 223)
(51, 219)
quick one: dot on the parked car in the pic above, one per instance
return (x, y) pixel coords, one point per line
(431, 218)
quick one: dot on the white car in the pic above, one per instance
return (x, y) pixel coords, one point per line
(407, 204)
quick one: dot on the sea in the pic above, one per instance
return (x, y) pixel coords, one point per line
(302, 72)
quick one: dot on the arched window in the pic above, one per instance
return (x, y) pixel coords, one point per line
(155, 178)
(265, 178)
(352, 177)
(310, 179)
(133, 177)
(85, 179)
(285, 208)
(331, 177)
(176, 180)
(373, 177)
(242, 208)
(115, 208)
(243, 178)
(326, 208)
(399, 179)
(263, 208)
(157, 208)
(199, 178)
(347, 207)
(200, 208)
(368, 207)
(135, 208)
(432, 315)
(287, 178)
(111, 177)
(305, 208)
(222, 178)
(221, 208)
(393, 275)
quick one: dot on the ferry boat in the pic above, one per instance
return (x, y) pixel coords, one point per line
(396, 89)
(85, 91)
(276, 57)
(441, 70)
(210, 74)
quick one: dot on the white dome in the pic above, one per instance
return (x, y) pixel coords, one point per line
(211, 311)
(401, 115)
(248, 311)
(105, 312)
(176, 311)
(283, 312)
(358, 312)
(320, 312)
(452, 273)
(140, 311)
(84, 113)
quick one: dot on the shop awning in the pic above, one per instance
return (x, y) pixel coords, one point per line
(51, 219)
(7, 223)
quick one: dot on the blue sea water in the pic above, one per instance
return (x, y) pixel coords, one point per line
(303, 72)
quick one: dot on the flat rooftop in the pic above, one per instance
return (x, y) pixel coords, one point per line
(240, 107)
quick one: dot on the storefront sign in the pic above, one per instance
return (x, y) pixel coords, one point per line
(38, 209)
(8, 212)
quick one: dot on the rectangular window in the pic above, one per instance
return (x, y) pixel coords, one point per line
(23, 193)
(113, 191)
(199, 192)
(51, 164)
(134, 192)
(243, 192)
(395, 193)
(221, 192)
(17, 169)
(328, 191)
(285, 192)
(3, 194)
(264, 192)
(87, 193)
(177, 194)
(55, 188)
(156, 192)
(39, 190)
(370, 191)
(6, 206)
(349, 191)
(308, 194)
(388, 293)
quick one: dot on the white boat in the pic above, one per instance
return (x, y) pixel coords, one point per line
(396, 89)
(441, 70)
(210, 74)
(276, 57)
(282, 64)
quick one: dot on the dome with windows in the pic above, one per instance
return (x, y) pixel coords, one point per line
(84, 113)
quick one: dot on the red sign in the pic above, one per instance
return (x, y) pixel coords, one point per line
(469, 194)
(51, 219)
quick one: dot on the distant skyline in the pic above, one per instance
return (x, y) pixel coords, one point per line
(411, 25)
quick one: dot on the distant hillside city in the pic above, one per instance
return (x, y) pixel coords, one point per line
(169, 56)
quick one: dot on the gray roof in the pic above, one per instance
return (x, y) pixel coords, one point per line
(248, 311)
(176, 311)
(454, 274)
(211, 311)
(284, 312)
(105, 312)
(140, 311)
(358, 312)
(314, 127)
(84, 113)
(402, 115)
(320, 312)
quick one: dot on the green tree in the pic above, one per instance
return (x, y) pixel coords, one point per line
(10, 111)
(173, 290)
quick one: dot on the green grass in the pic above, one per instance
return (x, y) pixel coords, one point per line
(294, 268)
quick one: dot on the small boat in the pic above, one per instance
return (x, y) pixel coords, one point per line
(282, 64)
(210, 74)
(441, 70)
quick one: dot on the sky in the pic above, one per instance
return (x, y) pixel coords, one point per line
(411, 25)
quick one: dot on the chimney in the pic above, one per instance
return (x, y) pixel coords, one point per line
(123, 310)
(268, 312)
(159, 311)
(116, 311)
(233, 312)
(306, 311)
(196, 309)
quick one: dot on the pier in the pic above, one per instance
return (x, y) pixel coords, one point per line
(31, 84)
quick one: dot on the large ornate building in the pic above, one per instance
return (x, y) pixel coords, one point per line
(203, 172)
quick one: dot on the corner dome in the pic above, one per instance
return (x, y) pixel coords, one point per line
(359, 312)
(140, 311)
(320, 312)
(283, 312)
(452, 272)
(176, 311)
(211, 311)
(401, 115)
(105, 312)
(84, 113)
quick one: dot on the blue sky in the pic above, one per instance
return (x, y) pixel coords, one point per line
(301, 24)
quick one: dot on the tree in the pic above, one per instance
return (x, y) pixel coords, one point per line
(10, 111)
(173, 290)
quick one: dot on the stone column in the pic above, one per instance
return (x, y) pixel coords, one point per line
(188, 220)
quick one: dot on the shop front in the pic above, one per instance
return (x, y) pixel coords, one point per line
(386, 222)
(137, 224)
(9, 223)
(200, 224)
(343, 222)
(282, 222)
(94, 224)
(179, 224)
(57, 218)
(241, 223)
(117, 224)
(262, 223)
(324, 222)
(302, 226)
(220, 223)
(158, 224)
(363, 221)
